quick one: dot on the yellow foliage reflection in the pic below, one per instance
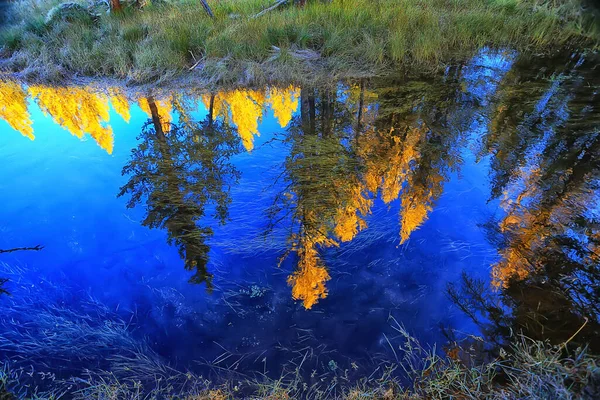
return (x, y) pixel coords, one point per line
(323, 228)
(525, 224)
(392, 168)
(417, 203)
(119, 103)
(334, 182)
(308, 281)
(77, 109)
(544, 170)
(349, 219)
(243, 108)
(13, 108)
(536, 219)
(327, 198)
(83, 110)
(284, 102)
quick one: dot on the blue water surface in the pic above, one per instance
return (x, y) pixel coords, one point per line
(60, 192)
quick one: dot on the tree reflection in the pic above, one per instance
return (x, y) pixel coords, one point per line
(177, 173)
(13, 107)
(412, 146)
(323, 195)
(393, 139)
(120, 103)
(160, 109)
(79, 110)
(545, 166)
(244, 108)
(345, 149)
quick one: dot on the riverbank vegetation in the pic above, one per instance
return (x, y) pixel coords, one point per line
(532, 370)
(160, 41)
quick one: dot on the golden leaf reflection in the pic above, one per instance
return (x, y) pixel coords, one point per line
(334, 184)
(13, 108)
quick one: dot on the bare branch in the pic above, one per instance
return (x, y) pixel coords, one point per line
(266, 10)
(35, 248)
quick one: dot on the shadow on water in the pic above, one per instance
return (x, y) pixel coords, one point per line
(467, 201)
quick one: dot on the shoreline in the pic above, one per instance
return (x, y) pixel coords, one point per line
(317, 77)
(177, 45)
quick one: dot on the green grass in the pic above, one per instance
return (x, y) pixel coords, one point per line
(340, 38)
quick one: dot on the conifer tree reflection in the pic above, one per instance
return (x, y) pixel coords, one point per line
(344, 151)
(412, 145)
(322, 185)
(548, 273)
(177, 174)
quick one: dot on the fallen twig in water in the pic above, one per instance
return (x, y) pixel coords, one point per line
(35, 248)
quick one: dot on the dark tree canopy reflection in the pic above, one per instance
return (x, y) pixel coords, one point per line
(401, 141)
(377, 193)
(544, 139)
(177, 174)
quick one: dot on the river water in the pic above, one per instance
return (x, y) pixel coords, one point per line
(253, 231)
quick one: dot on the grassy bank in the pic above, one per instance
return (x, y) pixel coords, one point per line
(530, 369)
(162, 41)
